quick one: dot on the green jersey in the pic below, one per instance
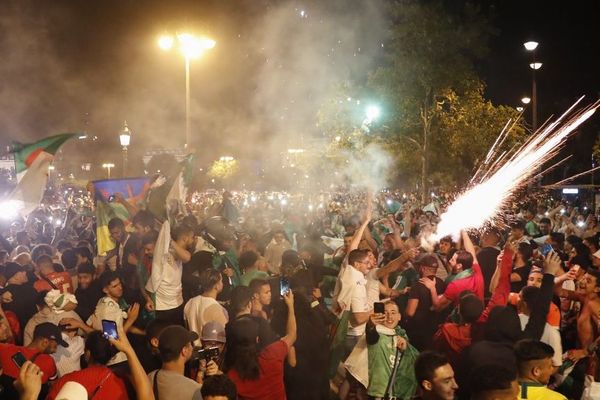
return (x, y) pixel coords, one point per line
(382, 357)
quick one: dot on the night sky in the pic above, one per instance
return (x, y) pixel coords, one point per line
(569, 49)
(83, 65)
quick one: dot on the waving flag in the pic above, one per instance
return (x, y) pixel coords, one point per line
(131, 190)
(167, 195)
(31, 165)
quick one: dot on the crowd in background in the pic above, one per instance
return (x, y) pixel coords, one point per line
(275, 295)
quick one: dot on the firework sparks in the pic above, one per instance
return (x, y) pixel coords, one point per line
(484, 201)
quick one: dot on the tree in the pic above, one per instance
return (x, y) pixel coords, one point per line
(431, 55)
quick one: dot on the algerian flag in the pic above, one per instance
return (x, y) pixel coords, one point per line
(166, 200)
(31, 165)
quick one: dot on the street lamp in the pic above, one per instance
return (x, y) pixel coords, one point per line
(532, 46)
(520, 109)
(125, 139)
(191, 47)
(373, 112)
(526, 100)
(108, 166)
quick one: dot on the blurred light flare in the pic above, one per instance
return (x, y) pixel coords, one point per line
(165, 42)
(10, 209)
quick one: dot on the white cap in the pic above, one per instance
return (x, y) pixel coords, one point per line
(72, 391)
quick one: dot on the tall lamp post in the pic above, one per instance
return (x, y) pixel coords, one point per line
(191, 47)
(125, 139)
(534, 65)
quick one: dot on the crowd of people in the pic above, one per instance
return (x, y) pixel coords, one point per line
(250, 296)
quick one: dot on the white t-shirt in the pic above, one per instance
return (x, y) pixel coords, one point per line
(359, 299)
(169, 294)
(199, 310)
(372, 287)
(108, 309)
(67, 359)
(551, 337)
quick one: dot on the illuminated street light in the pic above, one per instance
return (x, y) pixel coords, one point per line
(535, 65)
(226, 158)
(520, 109)
(373, 112)
(191, 47)
(125, 139)
(108, 167)
(526, 100)
(531, 45)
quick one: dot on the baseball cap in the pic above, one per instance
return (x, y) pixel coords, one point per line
(49, 331)
(427, 260)
(174, 338)
(213, 331)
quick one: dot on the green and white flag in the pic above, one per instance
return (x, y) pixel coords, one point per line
(31, 166)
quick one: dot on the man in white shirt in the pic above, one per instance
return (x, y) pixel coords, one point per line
(360, 305)
(204, 308)
(167, 270)
(108, 308)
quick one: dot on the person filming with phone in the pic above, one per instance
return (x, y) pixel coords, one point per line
(46, 339)
(389, 356)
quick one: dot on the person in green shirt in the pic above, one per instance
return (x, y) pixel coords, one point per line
(251, 264)
(534, 365)
(387, 346)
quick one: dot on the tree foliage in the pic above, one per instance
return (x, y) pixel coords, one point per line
(437, 123)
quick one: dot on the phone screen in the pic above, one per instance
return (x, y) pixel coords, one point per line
(546, 248)
(284, 286)
(109, 329)
(19, 359)
(378, 308)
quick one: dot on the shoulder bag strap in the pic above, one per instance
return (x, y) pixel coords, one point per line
(97, 389)
(52, 285)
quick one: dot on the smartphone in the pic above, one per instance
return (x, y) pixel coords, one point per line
(19, 359)
(109, 329)
(545, 249)
(284, 286)
(378, 308)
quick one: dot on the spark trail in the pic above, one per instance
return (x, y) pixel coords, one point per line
(485, 200)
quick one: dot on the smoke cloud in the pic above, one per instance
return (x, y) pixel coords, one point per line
(74, 67)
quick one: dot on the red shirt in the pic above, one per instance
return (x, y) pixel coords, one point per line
(62, 281)
(269, 385)
(474, 283)
(90, 378)
(44, 361)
